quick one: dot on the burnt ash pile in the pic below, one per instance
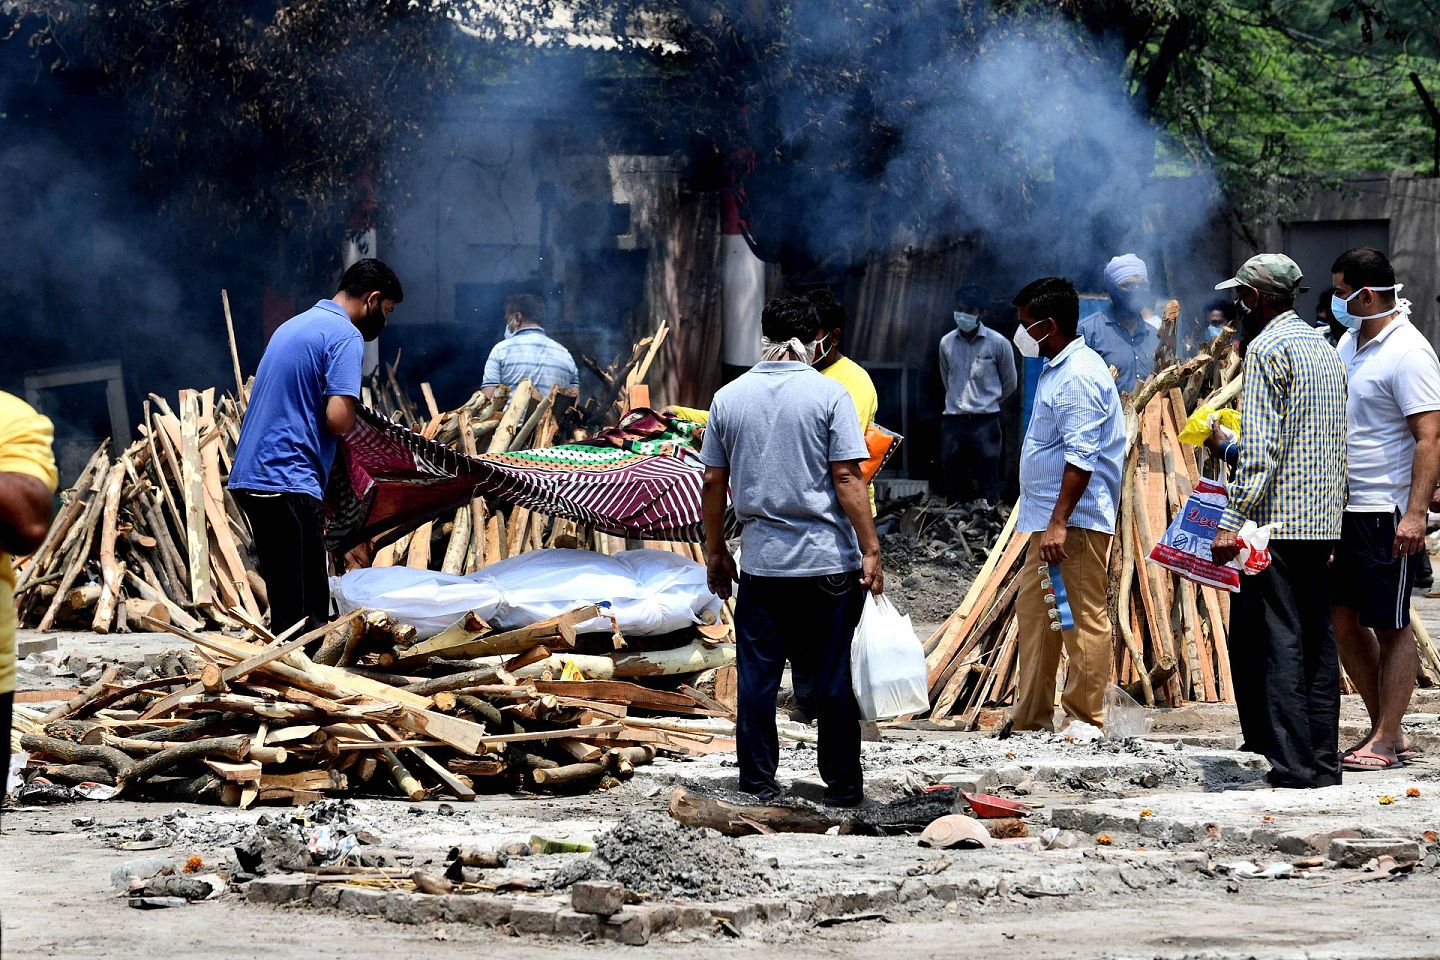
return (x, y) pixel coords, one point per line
(933, 551)
(651, 853)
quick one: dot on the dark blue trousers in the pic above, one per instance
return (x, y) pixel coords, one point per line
(811, 622)
(970, 457)
(1285, 667)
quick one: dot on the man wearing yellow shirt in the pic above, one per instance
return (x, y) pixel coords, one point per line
(829, 361)
(27, 489)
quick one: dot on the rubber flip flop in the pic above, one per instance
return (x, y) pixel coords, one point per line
(1363, 761)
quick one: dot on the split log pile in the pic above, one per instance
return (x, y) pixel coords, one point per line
(360, 707)
(152, 534)
(1170, 635)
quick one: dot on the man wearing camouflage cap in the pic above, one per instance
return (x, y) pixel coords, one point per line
(1290, 471)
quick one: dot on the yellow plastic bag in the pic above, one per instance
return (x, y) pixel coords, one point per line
(1198, 428)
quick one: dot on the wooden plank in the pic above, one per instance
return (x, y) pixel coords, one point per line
(510, 422)
(987, 584)
(618, 691)
(1151, 521)
(1197, 645)
(245, 666)
(192, 481)
(455, 641)
(1003, 606)
(418, 557)
(457, 786)
(239, 581)
(111, 568)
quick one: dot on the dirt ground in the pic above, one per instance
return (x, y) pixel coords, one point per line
(1181, 808)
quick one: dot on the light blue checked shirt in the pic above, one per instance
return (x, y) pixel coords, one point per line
(1291, 465)
(1076, 419)
(531, 355)
(1131, 354)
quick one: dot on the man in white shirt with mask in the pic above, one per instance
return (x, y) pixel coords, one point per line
(977, 366)
(1069, 491)
(1393, 453)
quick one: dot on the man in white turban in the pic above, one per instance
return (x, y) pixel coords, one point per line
(1120, 334)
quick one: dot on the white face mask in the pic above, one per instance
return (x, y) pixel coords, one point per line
(1026, 344)
(967, 322)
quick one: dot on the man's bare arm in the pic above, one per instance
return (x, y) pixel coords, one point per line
(26, 507)
(854, 496)
(1424, 473)
(719, 565)
(339, 415)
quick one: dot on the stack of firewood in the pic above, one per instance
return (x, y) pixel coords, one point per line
(152, 534)
(1170, 634)
(369, 710)
(156, 534)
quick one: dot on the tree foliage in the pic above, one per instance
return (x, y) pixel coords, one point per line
(285, 114)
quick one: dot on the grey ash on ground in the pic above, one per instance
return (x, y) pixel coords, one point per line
(652, 854)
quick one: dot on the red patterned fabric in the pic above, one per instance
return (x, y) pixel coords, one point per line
(641, 479)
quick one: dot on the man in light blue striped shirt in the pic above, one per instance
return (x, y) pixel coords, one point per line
(527, 353)
(1069, 488)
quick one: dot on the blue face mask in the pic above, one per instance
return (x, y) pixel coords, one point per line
(967, 322)
(1340, 307)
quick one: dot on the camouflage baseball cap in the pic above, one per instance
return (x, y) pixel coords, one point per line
(1272, 273)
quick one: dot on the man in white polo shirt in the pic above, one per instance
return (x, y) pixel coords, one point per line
(1393, 445)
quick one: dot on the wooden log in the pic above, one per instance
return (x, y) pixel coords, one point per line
(136, 608)
(454, 559)
(234, 748)
(77, 555)
(78, 703)
(738, 820)
(510, 421)
(111, 570)
(418, 557)
(618, 691)
(459, 640)
(568, 774)
(257, 659)
(404, 780)
(494, 540)
(116, 761)
(458, 787)
(148, 592)
(64, 521)
(171, 566)
(193, 492)
(340, 638)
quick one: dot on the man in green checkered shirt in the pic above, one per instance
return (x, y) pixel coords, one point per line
(1291, 471)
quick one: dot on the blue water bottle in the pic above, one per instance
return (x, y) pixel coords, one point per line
(1060, 616)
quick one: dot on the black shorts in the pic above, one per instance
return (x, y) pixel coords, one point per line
(1367, 576)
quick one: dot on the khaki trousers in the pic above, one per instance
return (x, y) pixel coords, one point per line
(1086, 578)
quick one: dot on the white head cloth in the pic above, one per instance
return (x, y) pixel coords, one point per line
(1127, 266)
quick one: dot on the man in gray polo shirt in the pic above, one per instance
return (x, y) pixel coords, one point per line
(1393, 454)
(785, 442)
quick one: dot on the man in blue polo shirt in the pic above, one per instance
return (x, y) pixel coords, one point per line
(304, 397)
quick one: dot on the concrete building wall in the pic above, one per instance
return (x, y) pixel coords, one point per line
(1403, 210)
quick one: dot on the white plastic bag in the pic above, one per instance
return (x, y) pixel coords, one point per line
(1254, 543)
(1124, 717)
(887, 663)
